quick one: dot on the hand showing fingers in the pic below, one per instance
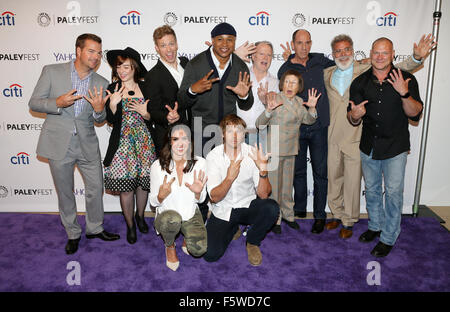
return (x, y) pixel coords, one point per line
(358, 111)
(165, 189)
(204, 84)
(67, 99)
(398, 82)
(243, 86)
(313, 97)
(286, 51)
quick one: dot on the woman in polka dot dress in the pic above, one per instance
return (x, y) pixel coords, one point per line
(131, 150)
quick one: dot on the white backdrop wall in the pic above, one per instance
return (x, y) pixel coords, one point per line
(36, 33)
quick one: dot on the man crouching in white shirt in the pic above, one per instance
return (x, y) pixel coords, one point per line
(239, 189)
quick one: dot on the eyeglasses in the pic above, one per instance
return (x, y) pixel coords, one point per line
(292, 83)
(347, 49)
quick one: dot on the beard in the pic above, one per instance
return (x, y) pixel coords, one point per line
(344, 64)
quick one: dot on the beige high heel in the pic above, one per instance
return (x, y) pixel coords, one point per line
(184, 248)
(172, 265)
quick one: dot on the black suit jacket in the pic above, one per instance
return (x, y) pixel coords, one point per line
(161, 89)
(116, 121)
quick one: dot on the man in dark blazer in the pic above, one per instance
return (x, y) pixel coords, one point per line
(214, 82)
(162, 83)
(71, 94)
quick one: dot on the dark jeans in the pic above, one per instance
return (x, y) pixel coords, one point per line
(261, 215)
(317, 142)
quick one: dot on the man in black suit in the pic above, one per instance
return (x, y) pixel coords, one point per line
(162, 83)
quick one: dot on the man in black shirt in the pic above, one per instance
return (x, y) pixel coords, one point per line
(384, 98)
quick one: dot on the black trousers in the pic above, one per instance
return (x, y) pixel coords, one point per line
(261, 215)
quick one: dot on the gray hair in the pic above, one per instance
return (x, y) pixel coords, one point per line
(340, 38)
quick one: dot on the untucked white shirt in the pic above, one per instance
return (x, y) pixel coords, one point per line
(243, 189)
(177, 73)
(257, 108)
(181, 198)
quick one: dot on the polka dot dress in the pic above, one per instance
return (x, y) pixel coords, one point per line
(130, 166)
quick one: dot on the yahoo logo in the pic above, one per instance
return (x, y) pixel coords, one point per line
(261, 18)
(14, 90)
(131, 18)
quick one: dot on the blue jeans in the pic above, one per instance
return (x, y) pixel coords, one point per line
(317, 142)
(385, 219)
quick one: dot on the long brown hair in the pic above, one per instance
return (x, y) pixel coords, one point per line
(165, 156)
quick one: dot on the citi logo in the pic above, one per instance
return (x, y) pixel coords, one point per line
(131, 18)
(7, 19)
(14, 90)
(261, 18)
(389, 19)
(21, 159)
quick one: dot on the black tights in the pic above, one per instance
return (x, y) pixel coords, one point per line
(127, 204)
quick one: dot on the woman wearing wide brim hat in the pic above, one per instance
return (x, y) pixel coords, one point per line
(131, 150)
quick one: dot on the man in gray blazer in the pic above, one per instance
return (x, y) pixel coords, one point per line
(71, 94)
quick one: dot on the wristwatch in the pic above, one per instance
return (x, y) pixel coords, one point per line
(405, 96)
(263, 176)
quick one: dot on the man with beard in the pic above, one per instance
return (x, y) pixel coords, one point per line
(344, 162)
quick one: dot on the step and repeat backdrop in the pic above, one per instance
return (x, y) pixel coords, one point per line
(36, 33)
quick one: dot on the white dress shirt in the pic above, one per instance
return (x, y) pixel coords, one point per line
(258, 107)
(177, 73)
(243, 189)
(181, 199)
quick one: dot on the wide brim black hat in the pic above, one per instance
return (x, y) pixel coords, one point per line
(112, 55)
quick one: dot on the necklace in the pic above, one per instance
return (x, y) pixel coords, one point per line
(131, 92)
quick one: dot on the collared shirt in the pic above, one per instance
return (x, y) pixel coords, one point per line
(342, 79)
(82, 87)
(177, 73)
(258, 107)
(217, 64)
(181, 198)
(243, 189)
(385, 124)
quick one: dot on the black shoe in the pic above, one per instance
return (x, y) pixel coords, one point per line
(300, 214)
(104, 236)
(369, 236)
(294, 225)
(276, 229)
(141, 224)
(318, 226)
(381, 250)
(131, 234)
(72, 246)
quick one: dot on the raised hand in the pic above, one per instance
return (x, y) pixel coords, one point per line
(165, 189)
(234, 169)
(258, 156)
(358, 111)
(116, 97)
(97, 100)
(204, 84)
(244, 50)
(400, 85)
(243, 86)
(262, 92)
(286, 51)
(199, 182)
(67, 99)
(426, 44)
(140, 108)
(312, 98)
(173, 115)
(272, 102)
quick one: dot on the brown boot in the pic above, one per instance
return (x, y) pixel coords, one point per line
(254, 254)
(345, 233)
(332, 224)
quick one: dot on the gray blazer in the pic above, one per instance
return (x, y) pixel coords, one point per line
(58, 127)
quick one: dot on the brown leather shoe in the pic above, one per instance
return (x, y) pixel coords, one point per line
(332, 224)
(254, 254)
(345, 233)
